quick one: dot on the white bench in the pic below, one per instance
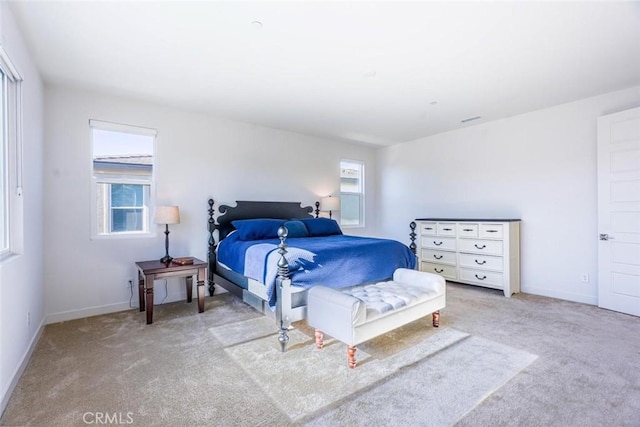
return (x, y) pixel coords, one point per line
(357, 314)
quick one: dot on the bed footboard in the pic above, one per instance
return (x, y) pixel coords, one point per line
(284, 311)
(283, 292)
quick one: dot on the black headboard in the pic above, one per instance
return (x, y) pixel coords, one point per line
(249, 209)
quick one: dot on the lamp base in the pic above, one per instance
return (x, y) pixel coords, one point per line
(166, 259)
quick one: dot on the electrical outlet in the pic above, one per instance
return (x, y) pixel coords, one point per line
(584, 277)
(28, 318)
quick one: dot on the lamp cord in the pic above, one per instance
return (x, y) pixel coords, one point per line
(166, 291)
(130, 290)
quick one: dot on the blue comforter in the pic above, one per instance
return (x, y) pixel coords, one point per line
(334, 261)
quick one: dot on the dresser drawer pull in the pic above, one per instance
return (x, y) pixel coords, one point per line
(428, 228)
(448, 229)
(437, 256)
(478, 247)
(480, 263)
(438, 271)
(436, 243)
(480, 278)
(492, 231)
(467, 229)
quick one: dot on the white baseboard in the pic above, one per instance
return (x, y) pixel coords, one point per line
(553, 293)
(20, 369)
(63, 316)
(160, 298)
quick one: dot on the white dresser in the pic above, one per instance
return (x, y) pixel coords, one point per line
(484, 252)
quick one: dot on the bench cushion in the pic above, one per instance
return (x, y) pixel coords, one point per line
(384, 297)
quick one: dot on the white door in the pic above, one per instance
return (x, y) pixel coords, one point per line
(619, 212)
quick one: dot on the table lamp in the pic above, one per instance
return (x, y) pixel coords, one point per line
(330, 204)
(166, 215)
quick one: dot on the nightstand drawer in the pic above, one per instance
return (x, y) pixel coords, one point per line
(446, 271)
(446, 243)
(439, 257)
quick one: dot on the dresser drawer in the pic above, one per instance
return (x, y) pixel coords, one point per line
(439, 257)
(446, 243)
(477, 246)
(482, 277)
(446, 271)
(428, 228)
(467, 230)
(482, 261)
(491, 231)
(446, 228)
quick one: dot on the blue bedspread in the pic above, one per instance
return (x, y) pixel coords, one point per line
(334, 261)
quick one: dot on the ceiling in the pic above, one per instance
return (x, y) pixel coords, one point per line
(372, 72)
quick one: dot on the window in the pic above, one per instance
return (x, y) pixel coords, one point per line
(10, 156)
(4, 226)
(122, 178)
(351, 193)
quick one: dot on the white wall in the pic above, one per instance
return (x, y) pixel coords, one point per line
(540, 167)
(197, 156)
(21, 280)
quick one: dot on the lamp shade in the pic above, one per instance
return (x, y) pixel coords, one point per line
(330, 204)
(166, 215)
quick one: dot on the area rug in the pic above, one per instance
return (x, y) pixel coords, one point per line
(457, 379)
(304, 379)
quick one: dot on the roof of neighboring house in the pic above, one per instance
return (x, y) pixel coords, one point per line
(137, 159)
(124, 161)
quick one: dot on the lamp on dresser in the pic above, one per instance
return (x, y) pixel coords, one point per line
(330, 204)
(166, 215)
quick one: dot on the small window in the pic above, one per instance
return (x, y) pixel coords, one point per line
(4, 211)
(122, 178)
(11, 232)
(351, 193)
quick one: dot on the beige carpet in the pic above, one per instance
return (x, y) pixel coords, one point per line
(176, 372)
(304, 380)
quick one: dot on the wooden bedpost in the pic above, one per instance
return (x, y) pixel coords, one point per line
(283, 291)
(412, 237)
(211, 267)
(317, 209)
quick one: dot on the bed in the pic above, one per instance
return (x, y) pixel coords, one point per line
(270, 253)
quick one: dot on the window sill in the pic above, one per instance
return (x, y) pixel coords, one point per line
(353, 226)
(8, 257)
(123, 236)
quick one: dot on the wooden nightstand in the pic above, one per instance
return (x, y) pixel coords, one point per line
(148, 271)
